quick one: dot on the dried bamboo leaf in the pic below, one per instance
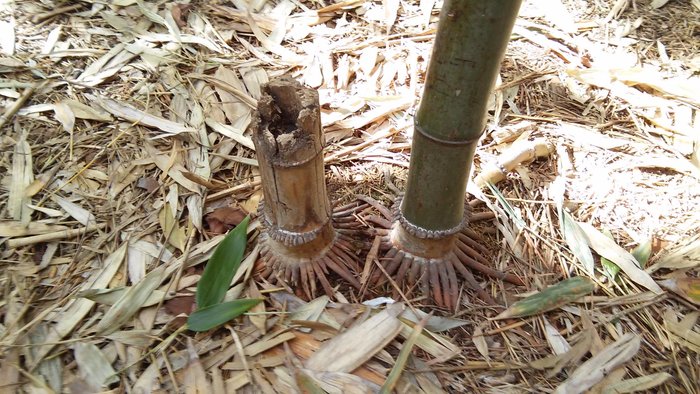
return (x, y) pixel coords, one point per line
(402, 359)
(688, 288)
(684, 89)
(576, 240)
(123, 25)
(434, 344)
(606, 247)
(683, 331)
(287, 56)
(149, 13)
(269, 343)
(22, 176)
(127, 112)
(83, 111)
(556, 341)
(357, 344)
(51, 369)
(434, 323)
(382, 111)
(312, 310)
(340, 382)
(106, 66)
(306, 384)
(83, 216)
(634, 385)
(51, 40)
(175, 171)
(155, 250)
(65, 115)
(111, 296)
(136, 262)
(573, 356)
(149, 378)
(595, 368)
(184, 39)
(261, 383)
(368, 59)
(236, 382)
(17, 229)
(195, 204)
(137, 338)
(480, 342)
(257, 314)
(195, 379)
(586, 136)
(11, 357)
(175, 234)
(231, 104)
(684, 256)
(253, 79)
(94, 366)
(552, 297)
(231, 132)
(74, 313)
(217, 382)
(130, 303)
(246, 268)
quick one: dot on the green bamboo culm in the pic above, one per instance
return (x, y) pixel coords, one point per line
(471, 40)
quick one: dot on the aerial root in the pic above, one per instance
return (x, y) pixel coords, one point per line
(436, 277)
(295, 267)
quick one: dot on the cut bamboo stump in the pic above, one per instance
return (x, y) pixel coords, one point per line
(303, 240)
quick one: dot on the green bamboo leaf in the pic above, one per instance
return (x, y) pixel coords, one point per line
(552, 297)
(642, 253)
(204, 319)
(222, 266)
(610, 269)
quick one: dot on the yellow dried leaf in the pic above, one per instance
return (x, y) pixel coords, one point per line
(359, 343)
(175, 234)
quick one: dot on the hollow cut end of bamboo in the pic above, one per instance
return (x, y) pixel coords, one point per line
(303, 240)
(301, 261)
(431, 263)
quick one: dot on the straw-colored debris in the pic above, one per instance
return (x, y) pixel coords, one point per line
(125, 157)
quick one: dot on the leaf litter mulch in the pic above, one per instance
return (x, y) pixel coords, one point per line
(125, 159)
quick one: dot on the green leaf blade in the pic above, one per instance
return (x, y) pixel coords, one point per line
(204, 319)
(550, 298)
(222, 266)
(642, 253)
